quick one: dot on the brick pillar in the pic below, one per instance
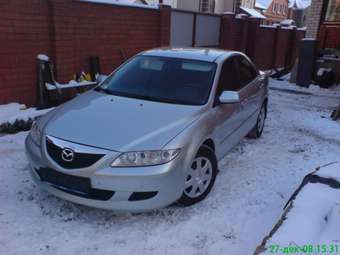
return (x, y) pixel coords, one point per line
(63, 52)
(244, 35)
(253, 30)
(276, 51)
(313, 18)
(164, 25)
(226, 35)
(292, 51)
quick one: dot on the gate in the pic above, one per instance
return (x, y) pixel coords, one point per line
(194, 29)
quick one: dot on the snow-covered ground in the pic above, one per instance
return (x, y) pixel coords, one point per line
(255, 181)
(312, 217)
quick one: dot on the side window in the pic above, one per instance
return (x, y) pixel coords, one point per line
(247, 72)
(228, 77)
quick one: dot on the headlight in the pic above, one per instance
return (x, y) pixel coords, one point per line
(145, 158)
(35, 134)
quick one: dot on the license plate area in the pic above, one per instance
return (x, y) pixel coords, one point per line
(61, 180)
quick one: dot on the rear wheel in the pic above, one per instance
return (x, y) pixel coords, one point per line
(200, 178)
(256, 132)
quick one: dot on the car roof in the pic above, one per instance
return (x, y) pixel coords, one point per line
(202, 54)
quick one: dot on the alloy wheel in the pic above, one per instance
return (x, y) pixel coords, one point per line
(199, 177)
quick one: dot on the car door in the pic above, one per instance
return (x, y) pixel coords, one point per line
(249, 91)
(228, 117)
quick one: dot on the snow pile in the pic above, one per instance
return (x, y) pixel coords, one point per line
(331, 171)
(10, 113)
(43, 57)
(313, 217)
(70, 84)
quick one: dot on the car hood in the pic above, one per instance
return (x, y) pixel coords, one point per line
(119, 123)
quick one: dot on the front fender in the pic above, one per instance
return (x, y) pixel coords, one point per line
(192, 138)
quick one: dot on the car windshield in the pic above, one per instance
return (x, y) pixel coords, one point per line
(162, 79)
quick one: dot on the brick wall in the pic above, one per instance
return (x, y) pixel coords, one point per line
(231, 32)
(113, 33)
(269, 47)
(326, 33)
(71, 31)
(24, 32)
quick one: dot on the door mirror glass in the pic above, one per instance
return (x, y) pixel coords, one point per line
(229, 97)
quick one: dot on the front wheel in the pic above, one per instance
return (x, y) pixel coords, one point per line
(256, 132)
(200, 178)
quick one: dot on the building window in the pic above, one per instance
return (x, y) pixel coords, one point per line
(204, 6)
(333, 11)
(275, 8)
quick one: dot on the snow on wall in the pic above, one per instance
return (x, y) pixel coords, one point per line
(129, 3)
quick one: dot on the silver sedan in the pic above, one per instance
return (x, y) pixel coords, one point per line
(152, 133)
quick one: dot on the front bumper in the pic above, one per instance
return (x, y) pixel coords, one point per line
(166, 181)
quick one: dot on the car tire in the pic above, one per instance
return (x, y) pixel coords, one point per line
(256, 132)
(200, 178)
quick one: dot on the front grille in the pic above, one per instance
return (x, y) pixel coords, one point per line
(80, 160)
(75, 185)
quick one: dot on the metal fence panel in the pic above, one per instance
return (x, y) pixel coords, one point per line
(207, 30)
(181, 31)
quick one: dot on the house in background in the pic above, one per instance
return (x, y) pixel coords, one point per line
(213, 6)
(285, 12)
(207, 6)
(275, 10)
(323, 23)
(298, 10)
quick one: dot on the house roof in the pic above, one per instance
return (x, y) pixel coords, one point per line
(264, 3)
(260, 6)
(299, 4)
(252, 12)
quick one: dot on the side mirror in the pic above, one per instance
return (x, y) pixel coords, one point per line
(229, 97)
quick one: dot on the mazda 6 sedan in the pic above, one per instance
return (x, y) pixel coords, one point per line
(150, 134)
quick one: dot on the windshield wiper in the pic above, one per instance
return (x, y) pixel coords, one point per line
(106, 91)
(144, 97)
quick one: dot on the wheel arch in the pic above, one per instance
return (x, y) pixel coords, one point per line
(210, 144)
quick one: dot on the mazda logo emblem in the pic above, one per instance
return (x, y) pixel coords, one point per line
(67, 154)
